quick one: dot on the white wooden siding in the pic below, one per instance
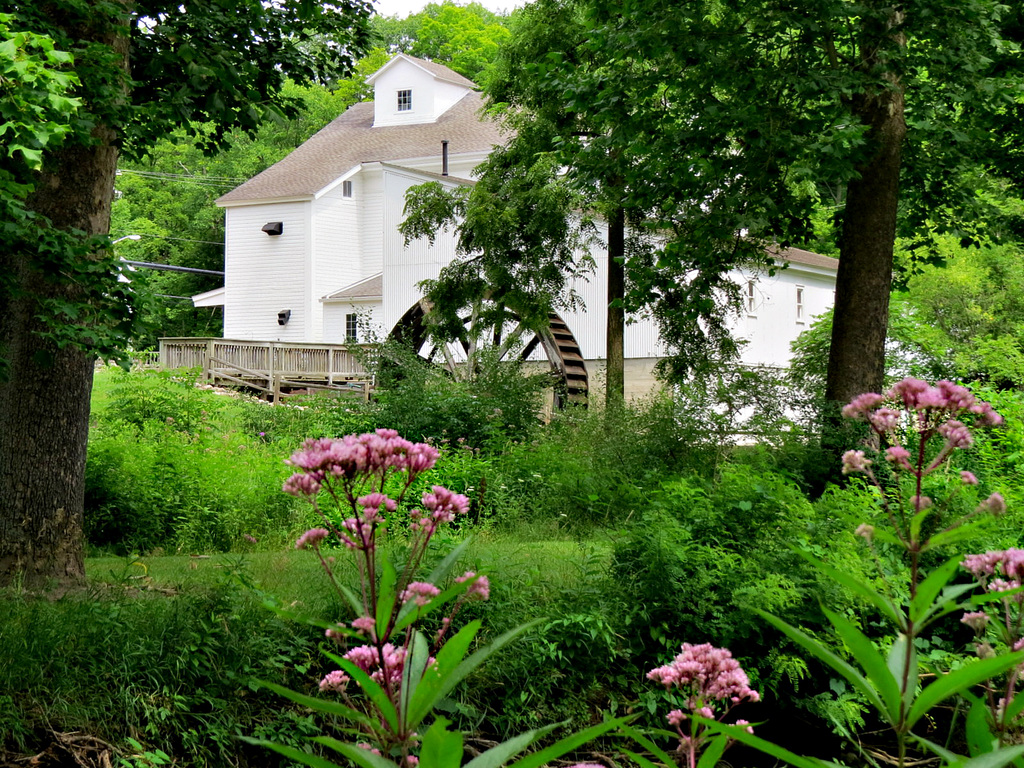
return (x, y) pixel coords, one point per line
(336, 257)
(254, 260)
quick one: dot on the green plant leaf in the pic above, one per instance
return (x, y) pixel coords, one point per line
(320, 705)
(441, 748)
(358, 755)
(979, 734)
(495, 757)
(412, 675)
(929, 589)
(371, 688)
(433, 683)
(442, 569)
(960, 533)
(386, 597)
(815, 648)
(713, 752)
(997, 758)
(880, 601)
(569, 743)
(305, 758)
(871, 661)
(741, 735)
(410, 612)
(649, 745)
(960, 679)
(902, 661)
(642, 761)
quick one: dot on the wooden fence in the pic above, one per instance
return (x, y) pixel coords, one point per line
(272, 367)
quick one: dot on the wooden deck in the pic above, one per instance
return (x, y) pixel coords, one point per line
(274, 368)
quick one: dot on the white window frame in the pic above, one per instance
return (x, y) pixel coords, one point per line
(351, 327)
(800, 296)
(750, 299)
(346, 189)
(404, 101)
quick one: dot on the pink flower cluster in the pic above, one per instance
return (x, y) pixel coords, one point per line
(420, 592)
(480, 589)
(439, 506)
(708, 674)
(368, 659)
(321, 460)
(939, 410)
(311, 538)
(997, 571)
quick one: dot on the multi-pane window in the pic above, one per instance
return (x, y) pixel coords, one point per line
(404, 101)
(799, 302)
(351, 327)
(346, 189)
(751, 299)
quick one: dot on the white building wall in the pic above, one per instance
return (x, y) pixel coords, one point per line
(369, 322)
(337, 261)
(430, 97)
(405, 267)
(371, 222)
(254, 260)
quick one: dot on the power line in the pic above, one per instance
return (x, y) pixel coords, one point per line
(187, 239)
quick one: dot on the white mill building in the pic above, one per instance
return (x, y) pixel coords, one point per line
(313, 253)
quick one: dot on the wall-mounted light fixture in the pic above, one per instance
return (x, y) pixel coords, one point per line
(284, 316)
(274, 228)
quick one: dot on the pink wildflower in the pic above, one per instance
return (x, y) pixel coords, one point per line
(997, 571)
(884, 420)
(421, 592)
(741, 723)
(968, 478)
(956, 433)
(899, 456)
(995, 505)
(865, 531)
(976, 620)
(368, 747)
(861, 404)
(311, 538)
(854, 461)
(365, 624)
(707, 673)
(334, 681)
(480, 589)
(444, 504)
(676, 717)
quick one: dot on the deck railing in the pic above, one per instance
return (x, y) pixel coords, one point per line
(276, 362)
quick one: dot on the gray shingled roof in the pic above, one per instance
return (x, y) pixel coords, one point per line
(351, 139)
(368, 288)
(440, 71)
(800, 256)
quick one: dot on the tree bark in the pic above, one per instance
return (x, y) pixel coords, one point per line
(856, 361)
(615, 392)
(44, 397)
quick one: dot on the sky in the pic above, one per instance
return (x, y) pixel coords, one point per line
(403, 8)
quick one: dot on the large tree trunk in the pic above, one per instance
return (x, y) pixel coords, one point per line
(44, 396)
(856, 361)
(615, 345)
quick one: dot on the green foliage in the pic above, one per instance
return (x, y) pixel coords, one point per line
(463, 37)
(172, 667)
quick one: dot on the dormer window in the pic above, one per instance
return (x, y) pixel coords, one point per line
(405, 101)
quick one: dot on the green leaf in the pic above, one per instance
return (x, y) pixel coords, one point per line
(569, 743)
(495, 757)
(358, 755)
(371, 688)
(958, 680)
(960, 533)
(441, 748)
(441, 571)
(649, 745)
(871, 661)
(412, 675)
(320, 705)
(979, 734)
(880, 601)
(713, 752)
(305, 758)
(433, 684)
(994, 759)
(818, 650)
(741, 735)
(902, 662)
(386, 597)
(643, 762)
(929, 589)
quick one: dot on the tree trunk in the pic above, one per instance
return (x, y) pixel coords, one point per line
(616, 367)
(44, 397)
(856, 361)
